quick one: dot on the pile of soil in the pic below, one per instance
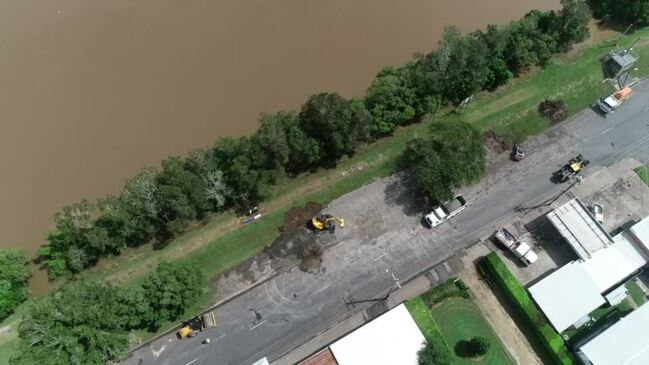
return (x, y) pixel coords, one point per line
(493, 143)
(297, 218)
(554, 110)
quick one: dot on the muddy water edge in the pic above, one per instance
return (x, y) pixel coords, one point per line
(93, 91)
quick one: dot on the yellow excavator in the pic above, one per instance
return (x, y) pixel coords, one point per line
(326, 222)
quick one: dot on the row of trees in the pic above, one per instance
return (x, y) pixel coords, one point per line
(14, 280)
(157, 204)
(89, 322)
(621, 12)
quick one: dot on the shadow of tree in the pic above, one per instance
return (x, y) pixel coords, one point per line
(462, 349)
(402, 191)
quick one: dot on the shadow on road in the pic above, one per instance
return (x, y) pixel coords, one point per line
(401, 191)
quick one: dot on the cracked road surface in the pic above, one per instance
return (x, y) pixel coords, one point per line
(384, 231)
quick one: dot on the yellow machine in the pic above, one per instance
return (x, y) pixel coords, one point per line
(197, 324)
(326, 222)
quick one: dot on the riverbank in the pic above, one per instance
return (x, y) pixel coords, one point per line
(219, 245)
(145, 80)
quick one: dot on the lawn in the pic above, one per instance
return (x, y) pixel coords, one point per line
(638, 295)
(643, 173)
(460, 319)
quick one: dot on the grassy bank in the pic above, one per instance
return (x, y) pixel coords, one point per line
(447, 316)
(459, 320)
(643, 174)
(223, 242)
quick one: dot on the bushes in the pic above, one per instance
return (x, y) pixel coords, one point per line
(87, 322)
(451, 288)
(435, 351)
(451, 155)
(14, 280)
(497, 273)
(622, 12)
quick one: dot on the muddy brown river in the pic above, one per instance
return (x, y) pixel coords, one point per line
(92, 91)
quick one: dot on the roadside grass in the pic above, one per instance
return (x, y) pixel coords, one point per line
(637, 294)
(222, 243)
(459, 320)
(643, 173)
(577, 82)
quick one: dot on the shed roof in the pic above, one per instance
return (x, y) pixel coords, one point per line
(567, 295)
(615, 263)
(579, 228)
(624, 343)
(392, 338)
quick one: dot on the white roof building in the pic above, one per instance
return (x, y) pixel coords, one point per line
(624, 343)
(579, 228)
(392, 338)
(568, 295)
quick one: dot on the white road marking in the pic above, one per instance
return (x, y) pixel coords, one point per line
(157, 353)
(219, 338)
(321, 289)
(257, 325)
(645, 110)
(193, 361)
(380, 257)
(606, 131)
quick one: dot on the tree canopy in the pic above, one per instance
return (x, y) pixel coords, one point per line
(452, 154)
(435, 352)
(14, 280)
(622, 12)
(88, 322)
(170, 290)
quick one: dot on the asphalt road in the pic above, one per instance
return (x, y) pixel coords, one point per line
(384, 232)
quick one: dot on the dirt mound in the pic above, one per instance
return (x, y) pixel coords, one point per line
(298, 217)
(554, 110)
(492, 142)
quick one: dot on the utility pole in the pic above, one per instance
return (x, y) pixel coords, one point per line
(578, 180)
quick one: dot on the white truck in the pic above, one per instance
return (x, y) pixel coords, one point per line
(520, 249)
(612, 102)
(446, 211)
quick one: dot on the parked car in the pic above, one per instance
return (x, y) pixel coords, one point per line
(446, 211)
(518, 153)
(519, 248)
(598, 212)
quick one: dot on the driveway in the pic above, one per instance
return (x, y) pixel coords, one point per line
(384, 231)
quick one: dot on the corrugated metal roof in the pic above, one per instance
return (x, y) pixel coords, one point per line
(624, 343)
(579, 228)
(392, 338)
(567, 295)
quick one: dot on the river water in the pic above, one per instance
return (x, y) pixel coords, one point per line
(92, 91)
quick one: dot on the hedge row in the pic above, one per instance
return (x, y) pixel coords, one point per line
(451, 288)
(497, 273)
(423, 318)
